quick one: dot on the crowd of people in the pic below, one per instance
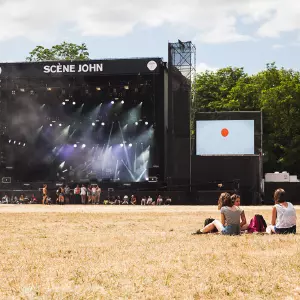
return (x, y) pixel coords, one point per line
(233, 219)
(92, 195)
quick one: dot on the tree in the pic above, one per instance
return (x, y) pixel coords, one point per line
(64, 51)
(274, 91)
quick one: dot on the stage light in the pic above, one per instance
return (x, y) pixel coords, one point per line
(136, 123)
(103, 124)
(19, 143)
(122, 145)
(24, 145)
(64, 103)
(93, 124)
(9, 141)
(14, 142)
(122, 102)
(83, 146)
(146, 123)
(59, 125)
(98, 88)
(75, 145)
(112, 102)
(74, 103)
(130, 145)
(126, 87)
(51, 125)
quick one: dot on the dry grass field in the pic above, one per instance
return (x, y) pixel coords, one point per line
(76, 252)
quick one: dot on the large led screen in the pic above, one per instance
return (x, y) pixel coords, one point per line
(234, 137)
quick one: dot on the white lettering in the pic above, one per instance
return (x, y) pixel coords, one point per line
(66, 69)
(53, 69)
(46, 69)
(72, 68)
(93, 68)
(85, 68)
(99, 67)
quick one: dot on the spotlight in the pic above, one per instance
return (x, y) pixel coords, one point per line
(93, 124)
(9, 141)
(14, 142)
(19, 143)
(74, 103)
(64, 103)
(146, 123)
(130, 145)
(136, 123)
(51, 125)
(59, 125)
(75, 145)
(103, 124)
(83, 146)
(112, 102)
(122, 102)
(24, 145)
(122, 145)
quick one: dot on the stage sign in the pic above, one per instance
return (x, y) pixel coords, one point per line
(83, 68)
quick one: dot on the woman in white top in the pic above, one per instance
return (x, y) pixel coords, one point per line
(283, 215)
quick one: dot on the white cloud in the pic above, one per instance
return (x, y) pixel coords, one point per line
(214, 21)
(202, 67)
(278, 46)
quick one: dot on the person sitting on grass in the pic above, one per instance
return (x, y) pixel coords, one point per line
(283, 215)
(236, 200)
(231, 217)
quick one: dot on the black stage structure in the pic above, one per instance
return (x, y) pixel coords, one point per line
(76, 121)
(122, 123)
(240, 174)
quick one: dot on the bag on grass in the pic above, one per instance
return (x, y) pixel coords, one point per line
(257, 224)
(208, 221)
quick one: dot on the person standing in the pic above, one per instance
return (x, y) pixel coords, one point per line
(45, 194)
(83, 191)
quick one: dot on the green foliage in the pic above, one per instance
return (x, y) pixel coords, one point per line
(274, 91)
(64, 51)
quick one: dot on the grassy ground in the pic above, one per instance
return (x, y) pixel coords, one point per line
(75, 252)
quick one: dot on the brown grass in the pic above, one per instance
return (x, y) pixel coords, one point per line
(139, 253)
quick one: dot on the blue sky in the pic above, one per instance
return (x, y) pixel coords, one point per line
(243, 33)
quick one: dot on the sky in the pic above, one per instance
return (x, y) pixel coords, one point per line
(238, 33)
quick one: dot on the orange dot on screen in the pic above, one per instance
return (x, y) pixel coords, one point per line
(225, 132)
